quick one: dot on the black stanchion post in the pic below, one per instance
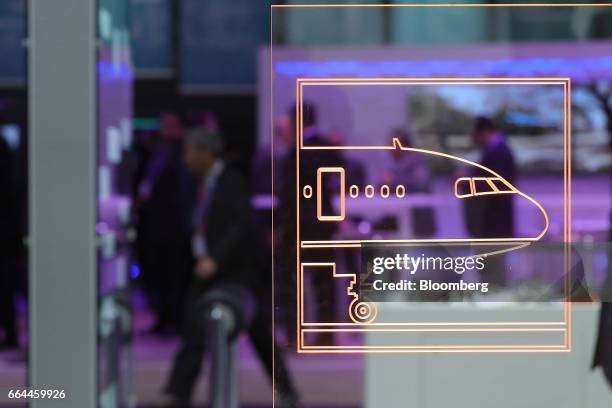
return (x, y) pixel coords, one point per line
(226, 310)
(220, 323)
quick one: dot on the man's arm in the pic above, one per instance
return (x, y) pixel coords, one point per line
(236, 207)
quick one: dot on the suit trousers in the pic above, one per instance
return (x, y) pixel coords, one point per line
(188, 361)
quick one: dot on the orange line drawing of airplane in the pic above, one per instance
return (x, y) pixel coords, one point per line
(464, 188)
(497, 185)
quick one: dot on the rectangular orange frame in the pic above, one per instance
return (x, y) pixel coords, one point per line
(448, 326)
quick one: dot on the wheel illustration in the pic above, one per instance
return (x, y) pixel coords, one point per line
(362, 312)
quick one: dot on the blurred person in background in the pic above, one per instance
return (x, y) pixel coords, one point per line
(9, 247)
(355, 170)
(202, 118)
(222, 253)
(492, 216)
(281, 147)
(283, 137)
(261, 180)
(323, 289)
(262, 203)
(144, 143)
(407, 169)
(164, 226)
(355, 175)
(411, 171)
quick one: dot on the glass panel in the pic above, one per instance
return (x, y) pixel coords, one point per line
(456, 92)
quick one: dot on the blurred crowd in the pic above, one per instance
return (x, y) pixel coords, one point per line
(203, 222)
(198, 233)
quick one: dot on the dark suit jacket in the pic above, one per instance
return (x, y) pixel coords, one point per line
(228, 229)
(355, 172)
(493, 216)
(165, 216)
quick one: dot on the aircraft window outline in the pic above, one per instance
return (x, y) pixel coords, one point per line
(471, 189)
(498, 186)
(505, 188)
(503, 185)
(478, 187)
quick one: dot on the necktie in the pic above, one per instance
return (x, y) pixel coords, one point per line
(198, 243)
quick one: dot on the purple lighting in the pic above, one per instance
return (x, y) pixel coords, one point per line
(109, 71)
(135, 271)
(579, 69)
